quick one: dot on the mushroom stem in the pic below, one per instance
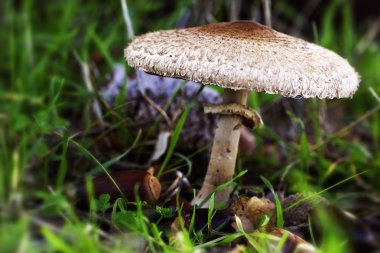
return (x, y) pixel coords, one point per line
(224, 150)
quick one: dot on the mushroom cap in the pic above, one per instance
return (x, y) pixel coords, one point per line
(245, 55)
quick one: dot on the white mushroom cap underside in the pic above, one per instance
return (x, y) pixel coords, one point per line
(245, 55)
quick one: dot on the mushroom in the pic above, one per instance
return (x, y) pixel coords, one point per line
(241, 56)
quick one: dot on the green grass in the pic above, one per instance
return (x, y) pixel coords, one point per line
(43, 95)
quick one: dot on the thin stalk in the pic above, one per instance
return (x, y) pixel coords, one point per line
(224, 150)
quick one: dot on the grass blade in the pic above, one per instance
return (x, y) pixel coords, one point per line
(173, 140)
(279, 215)
(221, 187)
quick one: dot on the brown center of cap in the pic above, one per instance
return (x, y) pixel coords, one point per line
(238, 29)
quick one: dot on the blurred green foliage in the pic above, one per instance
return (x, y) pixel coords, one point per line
(42, 92)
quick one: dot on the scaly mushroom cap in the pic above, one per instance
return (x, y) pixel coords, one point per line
(245, 55)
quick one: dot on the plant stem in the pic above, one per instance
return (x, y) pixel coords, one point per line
(224, 150)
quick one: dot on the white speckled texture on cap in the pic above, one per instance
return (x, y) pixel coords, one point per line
(245, 55)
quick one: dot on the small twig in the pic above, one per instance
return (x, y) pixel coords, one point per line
(303, 16)
(345, 130)
(374, 94)
(111, 111)
(267, 12)
(339, 134)
(287, 169)
(140, 79)
(235, 8)
(127, 19)
(86, 76)
(369, 36)
(159, 110)
(41, 223)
